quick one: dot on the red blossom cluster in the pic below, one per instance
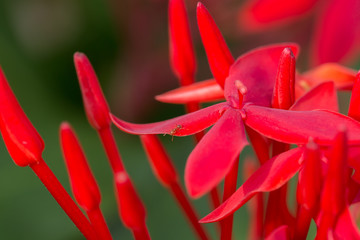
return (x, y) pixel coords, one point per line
(291, 120)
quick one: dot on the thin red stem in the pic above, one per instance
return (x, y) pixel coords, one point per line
(229, 189)
(183, 201)
(97, 220)
(112, 152)
(53, 185)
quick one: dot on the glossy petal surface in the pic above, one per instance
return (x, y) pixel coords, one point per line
(270, 176)
(257, 71)
(180, 126)
(297, 126)
(215, 154)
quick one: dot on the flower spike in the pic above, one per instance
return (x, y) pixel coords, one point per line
(23, 142)
(284, 90)
(96, 107)
(218, 53)
(182, 56)
(83, 183)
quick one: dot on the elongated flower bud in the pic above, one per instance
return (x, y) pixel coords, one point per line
(354, 107)
(83, 184)
(131, 209)
(218, 53)
(310, 178)
(284, 89)
(96, 107)
(333, 195)
(182, 56)
(159, 160)
(23, 142)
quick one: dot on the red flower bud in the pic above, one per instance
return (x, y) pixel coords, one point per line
(83, 184)
(159, 160)
(23, 142)
(218, 53)
(131, 209)
(182, 56)
(284, 89)
(96, 107)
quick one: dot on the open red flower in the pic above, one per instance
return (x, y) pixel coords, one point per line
(213, 156)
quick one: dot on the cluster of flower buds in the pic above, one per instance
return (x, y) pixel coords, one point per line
(291, 120)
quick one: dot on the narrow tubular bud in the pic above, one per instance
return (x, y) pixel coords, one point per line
(23, 142)
(333, 195)
(159, 160)
(310, 177)
(182, 56)
(131, 209)
(354, 107)
(96, 107)
(218, 53)
(83, 184)
(284, 89)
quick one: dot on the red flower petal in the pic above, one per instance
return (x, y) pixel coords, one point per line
(180, 126)
(218, 53)
(343, 77)
(346, 226)
(263, 14)
(215, 154)
(322, 96)
(182, 56)
(270, 176)
(257, 71)
(336, 32)
(96, 107)
(23, 142)
(204, 91)
(297, 126)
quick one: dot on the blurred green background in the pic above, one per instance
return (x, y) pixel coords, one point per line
(127, 43)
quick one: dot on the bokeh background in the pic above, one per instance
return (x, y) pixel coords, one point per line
(127, 42)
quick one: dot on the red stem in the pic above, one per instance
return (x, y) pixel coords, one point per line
(229, 189)
(53, 185)
(141, 234)
(112, 152)
(277, 212)
(97, 220)
(183, 201)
